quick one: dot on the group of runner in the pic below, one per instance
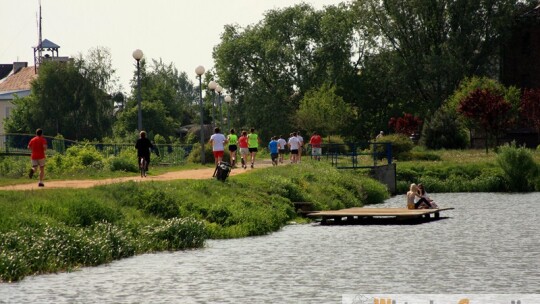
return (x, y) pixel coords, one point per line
(248, 144)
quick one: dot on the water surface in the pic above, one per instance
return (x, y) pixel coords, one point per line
(489, 244)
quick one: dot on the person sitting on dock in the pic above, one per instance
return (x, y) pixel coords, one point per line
(413, 194)
(425, 197)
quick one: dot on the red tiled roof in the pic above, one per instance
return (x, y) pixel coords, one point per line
(19, 81)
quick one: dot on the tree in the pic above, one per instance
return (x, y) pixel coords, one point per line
(444, 131)
(67, 98)
(164, 90)
(322, 110)
(530, 108)
(407, 125)
(435, 44)
(269, 66)
(490, 110)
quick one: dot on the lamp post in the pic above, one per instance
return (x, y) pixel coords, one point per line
(212, 86)
(200, 71)
(218, 90)
(138, 55)
(228, 100)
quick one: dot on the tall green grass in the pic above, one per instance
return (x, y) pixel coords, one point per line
(58, 229)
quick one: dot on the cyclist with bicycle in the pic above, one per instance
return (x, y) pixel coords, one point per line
(143, 147)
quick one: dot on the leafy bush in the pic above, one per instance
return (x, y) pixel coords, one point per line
(195, 155)
(400, 144)
(84, 154)
(520, 170)
(177, 234)
(125, 161)
(444, 131)
(419, 155)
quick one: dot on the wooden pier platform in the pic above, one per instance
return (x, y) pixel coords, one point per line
(377, 215)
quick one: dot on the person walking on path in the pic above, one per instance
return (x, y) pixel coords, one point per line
(38, 146)
(301, 146)
(273, 146)
(316, 150)
(232, 138)
(294, 145)
(143, 146)
(244, 149)
(282, 143)
(253, 145)
(218, 141)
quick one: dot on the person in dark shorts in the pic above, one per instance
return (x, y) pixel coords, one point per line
(253, 145)
(274, 151)
(282, 144)
(232, 138)
(294, 146)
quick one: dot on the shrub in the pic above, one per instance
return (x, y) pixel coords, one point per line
(195, 154)
(520, 170)
(400, 144)
(85, 154)
(125, 161)
(177, 234)
(419, 155)
(444, 131)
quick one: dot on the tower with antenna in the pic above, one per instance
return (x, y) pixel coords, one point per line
(45, 49)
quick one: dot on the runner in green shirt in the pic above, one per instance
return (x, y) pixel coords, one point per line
(233, 146)
(253, 145)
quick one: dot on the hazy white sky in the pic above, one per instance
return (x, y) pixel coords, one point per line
(178, 31)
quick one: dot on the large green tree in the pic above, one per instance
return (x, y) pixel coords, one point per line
(324, 111)
(269, 66)
(167, 100)
(67, 98)
(434, 44)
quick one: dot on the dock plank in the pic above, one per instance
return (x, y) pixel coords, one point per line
(366, 214)
(376, 212)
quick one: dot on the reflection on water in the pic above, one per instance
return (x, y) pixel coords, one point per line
(489, 244)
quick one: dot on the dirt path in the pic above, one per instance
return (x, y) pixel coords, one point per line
(205, 173)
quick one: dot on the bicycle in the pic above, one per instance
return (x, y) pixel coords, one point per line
(142, 166)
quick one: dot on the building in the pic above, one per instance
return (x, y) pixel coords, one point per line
(16, 81)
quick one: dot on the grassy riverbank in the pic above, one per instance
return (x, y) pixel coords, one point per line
(56, 230)
(511, 169)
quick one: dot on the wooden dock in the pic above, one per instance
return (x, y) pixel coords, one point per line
(377, 216)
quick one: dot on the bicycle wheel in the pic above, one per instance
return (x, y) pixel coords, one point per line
(142, 167)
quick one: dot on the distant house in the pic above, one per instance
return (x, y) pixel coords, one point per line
(16, 82)
(16, 79)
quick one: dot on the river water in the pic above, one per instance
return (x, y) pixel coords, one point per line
(489, 244)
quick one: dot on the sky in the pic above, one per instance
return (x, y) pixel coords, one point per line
(177, 31)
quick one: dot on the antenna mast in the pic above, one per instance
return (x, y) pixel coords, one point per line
(38, 49)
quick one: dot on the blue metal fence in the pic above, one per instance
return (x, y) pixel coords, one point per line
(356, 155)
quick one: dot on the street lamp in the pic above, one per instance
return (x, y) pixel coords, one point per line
(218, 90)
(200, 71)
(212, 86)
(228, 100)
(138, 55)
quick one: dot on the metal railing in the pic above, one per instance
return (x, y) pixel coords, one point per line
(16, 145)
(355, 155)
